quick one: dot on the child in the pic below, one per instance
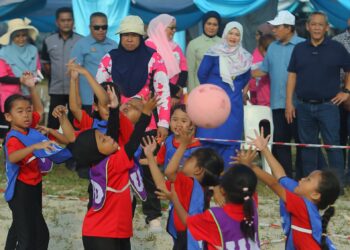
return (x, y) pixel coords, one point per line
(259, 88)
(23, 147)
(301, 202)
(108, 223)
(200, 172)
(235, 225)
(179, 120)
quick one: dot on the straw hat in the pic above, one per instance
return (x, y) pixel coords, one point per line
(131, 24)
(18, 24)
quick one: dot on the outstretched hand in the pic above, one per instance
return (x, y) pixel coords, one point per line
(260, 142)
(186, 136)
(149, 145)
(245, 157)
(59, 111)
(113, 98)
(165, 194)
(149, 104)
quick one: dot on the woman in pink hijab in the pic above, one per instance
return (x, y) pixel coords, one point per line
(160, 33)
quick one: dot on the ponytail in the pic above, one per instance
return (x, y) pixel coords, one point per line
(247, 224)
(327, 215)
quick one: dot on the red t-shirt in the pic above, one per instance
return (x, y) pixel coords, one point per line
(126, 126)
(203, 227)
(114, 219)
(183, 187)
(29, 172)
(162, 151)
(296, 206)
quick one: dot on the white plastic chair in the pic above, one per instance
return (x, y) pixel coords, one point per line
(256, 116)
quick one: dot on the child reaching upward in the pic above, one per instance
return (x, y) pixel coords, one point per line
(300, 201)
(179, 120)
(200, 172)
(108, 223)
(235, 225)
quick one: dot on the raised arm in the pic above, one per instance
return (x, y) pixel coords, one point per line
(173, 166)
(60, 112)
(74, 104)
(149, 145)
(37, 104)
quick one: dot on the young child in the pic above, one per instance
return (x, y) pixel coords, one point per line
(23, 146)
(233, 226)
(200, 172)
(108, 223)
(259, 88)
(179, 120)
(300, 201)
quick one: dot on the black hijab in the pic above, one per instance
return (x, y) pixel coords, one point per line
(208, 15)
(130, 68)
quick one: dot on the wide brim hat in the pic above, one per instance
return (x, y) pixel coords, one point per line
(18, 24)
(131, 24)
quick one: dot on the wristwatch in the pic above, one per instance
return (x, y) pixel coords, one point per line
(345, 90)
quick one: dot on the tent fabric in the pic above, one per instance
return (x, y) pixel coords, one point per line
(163, 6)
(115, 11)
(230, 8)
(338, 11)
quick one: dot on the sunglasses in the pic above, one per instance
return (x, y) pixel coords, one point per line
(98, 27)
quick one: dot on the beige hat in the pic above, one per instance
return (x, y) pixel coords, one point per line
(131, 24)
(18, 24)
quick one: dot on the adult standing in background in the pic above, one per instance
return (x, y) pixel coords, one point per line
(314, 75)
(160, 33)
(89, 51)
(55, 55)
(17, 56)
(275, 65)
(199, 46)
(227, 65)
(137, 70)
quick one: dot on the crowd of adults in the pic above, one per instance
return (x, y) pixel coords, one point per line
(305, 82)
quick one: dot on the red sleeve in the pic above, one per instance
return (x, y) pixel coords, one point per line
(126, 129)
(85, 123)
(161, 155)
(35, 119)
(12, 145)
(203, 227)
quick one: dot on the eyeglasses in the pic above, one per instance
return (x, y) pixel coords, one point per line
(98, 27)
(172, 27)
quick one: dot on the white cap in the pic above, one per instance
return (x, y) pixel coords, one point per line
(283, 17)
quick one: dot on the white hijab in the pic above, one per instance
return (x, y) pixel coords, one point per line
(233, 61)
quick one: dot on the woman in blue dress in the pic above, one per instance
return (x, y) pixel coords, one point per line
(227, 65)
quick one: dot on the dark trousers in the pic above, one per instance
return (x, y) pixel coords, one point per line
(28, 227)
(181, 242)
(56, 100)
(151, 207)
(284, 132)
(98, 243)
(3, 122)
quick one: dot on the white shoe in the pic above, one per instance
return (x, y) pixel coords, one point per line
(155, 226)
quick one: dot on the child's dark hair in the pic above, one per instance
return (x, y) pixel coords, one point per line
(265, 40)
(11, 99)
(182, 107)
(104, 85)
(329, 188)
(239, 183)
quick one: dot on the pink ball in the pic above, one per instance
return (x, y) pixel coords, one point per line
(208, 106)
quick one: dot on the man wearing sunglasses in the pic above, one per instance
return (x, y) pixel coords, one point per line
(89, 51)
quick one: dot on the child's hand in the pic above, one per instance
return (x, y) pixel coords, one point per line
(42, 129)
(59, 111)
(47, 145)
(72, 66)
(244, 157)
(218, 196)
(113, 99)
(149, 145)
(164, 194)
(149, 104)
(28, 79)
(260, 142)
(186, 136)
